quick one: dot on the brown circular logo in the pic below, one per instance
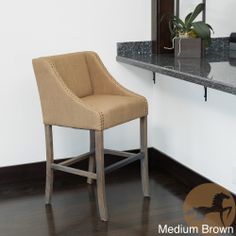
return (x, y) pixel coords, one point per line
(211, 205)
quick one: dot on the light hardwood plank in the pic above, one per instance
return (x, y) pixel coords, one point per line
(49, 157)
(92, 157)
(119, 153)
(74, 160)
(144, 161)
(124, 162)
(101, 195)
(74, 171)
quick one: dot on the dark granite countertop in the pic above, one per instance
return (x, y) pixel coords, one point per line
(216, 70)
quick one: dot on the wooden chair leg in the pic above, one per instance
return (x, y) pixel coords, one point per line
(144, 161)
(49, 170)
(91, 158)
(101, 196)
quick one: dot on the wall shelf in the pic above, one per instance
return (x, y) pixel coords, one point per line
(203, 71)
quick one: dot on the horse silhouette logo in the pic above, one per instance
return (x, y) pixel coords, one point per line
(209, 204)
(217, 206)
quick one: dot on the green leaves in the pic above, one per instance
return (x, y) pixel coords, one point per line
(178, 21)
(190, 28)
(192, 16)
(187, 18)
(176, 25)
(202, 29)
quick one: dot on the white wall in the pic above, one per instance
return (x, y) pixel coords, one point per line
(199, 135)
(35, 28)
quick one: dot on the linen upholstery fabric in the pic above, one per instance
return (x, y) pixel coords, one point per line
(74, 71)
(77, 91)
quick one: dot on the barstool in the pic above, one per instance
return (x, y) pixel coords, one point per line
(77, 91)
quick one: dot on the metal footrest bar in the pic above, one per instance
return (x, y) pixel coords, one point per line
(124, 162)
(73, 160)
(74, 171)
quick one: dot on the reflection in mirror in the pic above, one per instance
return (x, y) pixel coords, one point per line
(221, 16)
(184, 7)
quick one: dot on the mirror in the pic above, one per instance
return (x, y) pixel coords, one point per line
(221, 16)
(186, 6)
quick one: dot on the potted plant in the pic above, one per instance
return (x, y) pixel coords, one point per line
(190, 36)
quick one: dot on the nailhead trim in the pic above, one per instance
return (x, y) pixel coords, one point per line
(110, 77)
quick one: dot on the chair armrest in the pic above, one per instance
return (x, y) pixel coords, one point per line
(60, 106)
(102, 80)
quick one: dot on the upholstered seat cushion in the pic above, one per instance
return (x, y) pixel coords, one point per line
(76, 90)
(116, 109)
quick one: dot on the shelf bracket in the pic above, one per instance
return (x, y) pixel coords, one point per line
(205, 94)
(154, 77)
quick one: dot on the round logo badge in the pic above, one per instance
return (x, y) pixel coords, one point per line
(210, 208)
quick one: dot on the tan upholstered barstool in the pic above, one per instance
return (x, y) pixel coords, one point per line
(77, 91)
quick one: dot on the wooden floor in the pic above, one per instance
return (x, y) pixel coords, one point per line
(74, 210)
